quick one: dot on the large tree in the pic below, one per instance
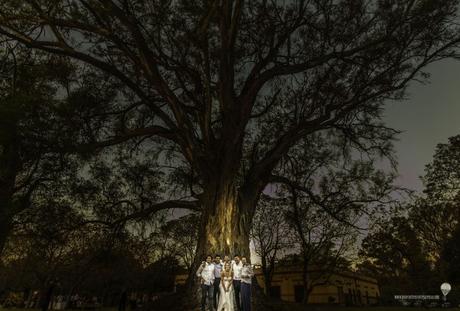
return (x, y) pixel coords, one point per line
(230, 87)
(29, 117)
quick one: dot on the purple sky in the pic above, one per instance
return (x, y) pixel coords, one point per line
(430, 116)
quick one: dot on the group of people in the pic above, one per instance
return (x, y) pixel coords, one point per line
(226, 284)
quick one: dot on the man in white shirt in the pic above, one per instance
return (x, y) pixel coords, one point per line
(217, 273)
(246, 277)
(206, 275)
(237, 265)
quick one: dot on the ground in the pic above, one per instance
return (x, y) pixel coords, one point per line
(297, 307)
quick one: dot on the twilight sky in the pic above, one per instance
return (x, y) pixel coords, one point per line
(430, 116)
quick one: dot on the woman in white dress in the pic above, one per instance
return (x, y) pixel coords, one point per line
(226, 297)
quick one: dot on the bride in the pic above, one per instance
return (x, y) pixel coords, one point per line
(226, 297)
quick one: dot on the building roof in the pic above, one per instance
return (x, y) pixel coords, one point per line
(297, 269)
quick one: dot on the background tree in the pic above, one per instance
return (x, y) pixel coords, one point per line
(449, 258)
(60, 258)
(270, 234)
(182, 234)
(413, 251)
(46, 103)
(85, 233)
(394, 253)
(333, 188)
(437, 211)
(26, 96)
(435, 214)
(44, 250)
(322, 242)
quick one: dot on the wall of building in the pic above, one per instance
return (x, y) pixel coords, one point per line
(334, 289)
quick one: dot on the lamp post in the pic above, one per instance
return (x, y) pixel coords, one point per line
(445, 289)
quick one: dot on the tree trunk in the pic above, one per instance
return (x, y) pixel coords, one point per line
(268, 274)
(9, 166)
(305, 281)
(223, 230)
(123, 301)
(268, 285)
(225, 227)
(5, 228)
(47, 297)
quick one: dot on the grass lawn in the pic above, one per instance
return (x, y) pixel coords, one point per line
(98, 309)
(297, 307)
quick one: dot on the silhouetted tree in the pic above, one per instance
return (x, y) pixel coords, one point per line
(26, 101)
(393, 252)
(182, 236)
(436, 213)
(45, 101)
(450, 257)
(270, 234)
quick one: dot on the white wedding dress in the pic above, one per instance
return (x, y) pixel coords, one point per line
(226, 299)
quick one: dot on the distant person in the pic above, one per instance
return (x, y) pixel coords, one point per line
(246, 279)
(206, 274)
(46, 302)
(132, 303)
(59, 302)
(217, 275)
(123, 300)
(237, 265)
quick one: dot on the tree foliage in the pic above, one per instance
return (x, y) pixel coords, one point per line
(211, 79)
(32, 124)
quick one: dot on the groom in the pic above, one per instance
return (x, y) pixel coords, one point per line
(217, 273)
(206, 275)
(237, 265)
(246, 277)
